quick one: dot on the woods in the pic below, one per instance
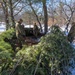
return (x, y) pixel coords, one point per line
(47, 28)
(50, 12)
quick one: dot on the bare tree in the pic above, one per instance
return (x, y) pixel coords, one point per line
(45, 16)
(36, 16)
(11, 13)
(5, 10)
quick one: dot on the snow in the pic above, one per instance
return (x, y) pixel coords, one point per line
(64, 26)
(28, 26)
(2, 28)
(73, 71)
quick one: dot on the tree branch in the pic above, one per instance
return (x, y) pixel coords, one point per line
(16, 4)
(19, 11)
(15, 66)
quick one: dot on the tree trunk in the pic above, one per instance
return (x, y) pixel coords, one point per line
(45, 17)
(67, 25)
(5, 9)
(36, 17)
(11, 13)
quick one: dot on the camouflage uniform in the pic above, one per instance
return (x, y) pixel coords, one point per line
(20, 32)
(35, 30)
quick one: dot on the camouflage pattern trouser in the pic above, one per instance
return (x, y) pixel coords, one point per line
(35, 33)
(21, 39)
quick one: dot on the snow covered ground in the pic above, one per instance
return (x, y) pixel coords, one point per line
(73, 71)
(2, 28)
(64, 26)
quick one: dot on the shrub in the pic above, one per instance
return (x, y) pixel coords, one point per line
(57, 51)
(9, 37)
(7, 34)
(50, 56)
(5, 45)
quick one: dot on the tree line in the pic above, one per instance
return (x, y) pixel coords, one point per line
(53, 11)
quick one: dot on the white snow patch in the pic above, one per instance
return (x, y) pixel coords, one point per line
(2, 28)
(73, 71)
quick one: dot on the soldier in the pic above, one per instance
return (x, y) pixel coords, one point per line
(20, 31)
(71, 34)
(35, 30)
